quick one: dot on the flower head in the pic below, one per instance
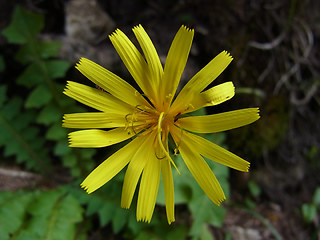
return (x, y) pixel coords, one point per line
(148, 118)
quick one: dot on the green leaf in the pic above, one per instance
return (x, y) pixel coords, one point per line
(62, 149)
(24, 26)
(32, 76)
(12, 211)
(316, 197)
(254, 188)
(38, 97)
(106, 213)
(57, 68)
(133, 225)
(119, 219)
(95, 203)
(203, 212)
(19, 139)
(56, 132)
(11, 108)
(37, 50)
(53, 215)
(49, 49)
(49, 114)
(309, 212)
(206, 233)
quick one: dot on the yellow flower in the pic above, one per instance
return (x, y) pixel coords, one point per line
(150, 117)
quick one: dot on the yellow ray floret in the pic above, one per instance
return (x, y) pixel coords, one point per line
(95, 138)
(94, 120)
(110, 82)
(220, 122)
(213, 96)
(110, 167)
(201, 80)
(200, 170)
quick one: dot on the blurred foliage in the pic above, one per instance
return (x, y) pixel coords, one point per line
(39, 215)
(31, 109)
(34, 120)
(310, 211)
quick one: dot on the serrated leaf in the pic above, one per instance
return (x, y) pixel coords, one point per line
(32, 51)
(133, 225)
(106, 213)
(49, 114)
(53, 217)
(178, 233)
(204, 211)
(119, 219)
(94, 205)
(62, 149)
(11, 148)
(38, 97)
(57, 68)
(11, 108)
(12, 211)
(49, 49)
(24, 26)
(87, 153)
(19, 138)
(56, 132)
(31, 76)
(37, 73)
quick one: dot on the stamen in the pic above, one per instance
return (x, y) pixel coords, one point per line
(176, 150)
(161, 144)
(188, 107)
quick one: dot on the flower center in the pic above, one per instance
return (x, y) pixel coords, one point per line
(145, 120)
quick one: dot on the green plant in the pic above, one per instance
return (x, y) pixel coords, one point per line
(311, 210)
(41, 110)
(39, 215)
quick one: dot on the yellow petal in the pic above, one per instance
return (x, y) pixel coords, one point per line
(110, 167)
(168, 189)
(199, 169)
(97, 99)
(148, 190)
(134, 170)
(202, 79)
(93, 138)
(110, 82)
(133, 60)
(152, 57)
(94, 120)
(212, 96)
(175, 63)
(219, 122)
(216, 153)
